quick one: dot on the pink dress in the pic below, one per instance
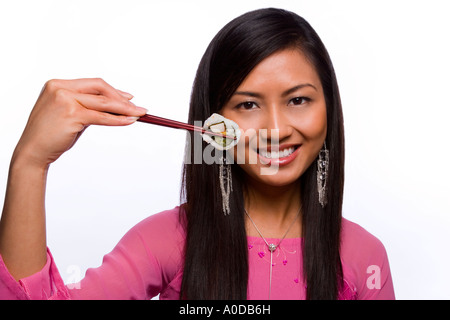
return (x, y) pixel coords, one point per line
(147, 261)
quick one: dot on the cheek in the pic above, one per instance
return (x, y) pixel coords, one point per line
(313, 125)
(245, 151)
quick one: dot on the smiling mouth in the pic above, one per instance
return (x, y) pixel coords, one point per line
(278, 152)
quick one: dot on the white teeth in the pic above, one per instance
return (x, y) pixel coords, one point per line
(277, 154)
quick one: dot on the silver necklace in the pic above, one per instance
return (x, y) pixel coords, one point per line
(271, 246)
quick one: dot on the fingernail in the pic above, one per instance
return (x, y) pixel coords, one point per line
(132, 118)
(142, 109)
(127, 95)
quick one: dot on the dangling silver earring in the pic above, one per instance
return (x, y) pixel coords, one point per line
(322, 174)
(226, 184)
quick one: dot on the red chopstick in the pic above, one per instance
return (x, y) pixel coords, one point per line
(148, 118)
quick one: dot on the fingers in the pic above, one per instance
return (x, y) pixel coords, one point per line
(95, 86)
(106, 104)
(98, 101)
(89, 86)
(107, 119)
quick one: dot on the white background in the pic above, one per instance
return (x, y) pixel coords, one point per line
(392, 64)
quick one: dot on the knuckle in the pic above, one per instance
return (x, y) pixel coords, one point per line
(128, 107)
(103, 100)
(63, 101)
(52, 85)
(100, 81)
(60, 94)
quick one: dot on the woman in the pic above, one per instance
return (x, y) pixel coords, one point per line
(283, 236)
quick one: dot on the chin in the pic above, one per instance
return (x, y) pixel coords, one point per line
(279, 180)
(274, 177)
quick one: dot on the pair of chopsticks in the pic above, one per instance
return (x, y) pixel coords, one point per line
(148, 118)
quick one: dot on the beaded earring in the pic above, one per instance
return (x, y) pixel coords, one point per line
(322, 174)
(226, 184)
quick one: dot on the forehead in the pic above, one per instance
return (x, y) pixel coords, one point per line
(286, 67)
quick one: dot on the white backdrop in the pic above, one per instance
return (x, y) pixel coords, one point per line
(392, 64)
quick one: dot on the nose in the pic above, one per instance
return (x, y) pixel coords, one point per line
(277, 124)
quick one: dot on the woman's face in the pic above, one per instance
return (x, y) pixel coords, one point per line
(280, 108)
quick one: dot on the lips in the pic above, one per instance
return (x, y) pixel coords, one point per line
(278, 155)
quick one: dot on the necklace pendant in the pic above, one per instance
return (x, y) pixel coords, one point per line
(272, 247)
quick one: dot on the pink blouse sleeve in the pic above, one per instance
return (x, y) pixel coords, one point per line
(141, 266)
(45, 284)
(365, 260)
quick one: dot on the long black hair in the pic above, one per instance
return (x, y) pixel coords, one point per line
(216, 261)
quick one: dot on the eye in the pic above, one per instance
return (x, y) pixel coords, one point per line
(248, 105)
(299, 101)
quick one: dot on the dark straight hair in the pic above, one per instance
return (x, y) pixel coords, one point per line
(216, 252)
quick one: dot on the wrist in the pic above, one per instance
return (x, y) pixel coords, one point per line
(25, 159)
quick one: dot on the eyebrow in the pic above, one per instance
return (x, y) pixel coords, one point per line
(286, 93)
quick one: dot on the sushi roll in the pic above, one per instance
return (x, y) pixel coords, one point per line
(219, 124)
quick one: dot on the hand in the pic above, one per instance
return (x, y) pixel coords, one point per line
(64, 109)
